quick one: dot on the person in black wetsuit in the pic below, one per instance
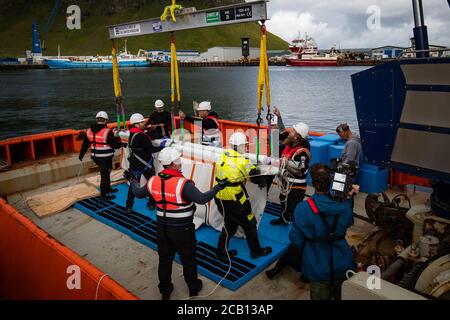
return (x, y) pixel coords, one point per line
(211, 135)
(141, 155)
(159, 123)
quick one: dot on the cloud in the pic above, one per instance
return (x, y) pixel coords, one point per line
(345, 22)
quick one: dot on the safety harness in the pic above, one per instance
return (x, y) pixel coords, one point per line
(147, 165)
(330, 238)
(289, 153)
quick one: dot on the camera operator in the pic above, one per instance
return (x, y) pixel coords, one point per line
(318, 229)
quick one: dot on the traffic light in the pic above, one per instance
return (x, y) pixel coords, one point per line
(245, 47)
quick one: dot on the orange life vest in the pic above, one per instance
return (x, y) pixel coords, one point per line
(99, 143)
(289, 153)
(166, 189)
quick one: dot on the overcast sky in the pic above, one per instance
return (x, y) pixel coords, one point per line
(344, 22)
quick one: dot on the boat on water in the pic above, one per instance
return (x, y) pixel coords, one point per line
(124, 61)
(305, 53)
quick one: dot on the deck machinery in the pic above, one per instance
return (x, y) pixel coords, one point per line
(403, 111)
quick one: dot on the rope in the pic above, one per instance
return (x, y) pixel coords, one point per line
(98, 285)
(120, 110)
(263, 85)
(285, 189)
(229, 260)
(175, 84)
(172, 8)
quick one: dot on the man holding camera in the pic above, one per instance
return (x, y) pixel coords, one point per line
(318, 229)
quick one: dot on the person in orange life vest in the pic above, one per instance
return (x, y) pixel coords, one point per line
(102, 142)
(295, 157)
(175, 196)
(210, 124)
(141, 155)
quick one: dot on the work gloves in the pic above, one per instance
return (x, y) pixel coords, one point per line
(222, 183)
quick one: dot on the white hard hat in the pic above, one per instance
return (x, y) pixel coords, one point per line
(102, 114)
(274, 120)
(159, 104)
(168, 155)
(302, 129)
(136, 118)
(238, 138)
(205, 105)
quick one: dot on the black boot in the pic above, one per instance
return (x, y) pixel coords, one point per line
(223, 255)
(113, 190)
(108, 197)
(261, 253)
(273, 272)
(129, 206)
(166, 295)
(193, 292)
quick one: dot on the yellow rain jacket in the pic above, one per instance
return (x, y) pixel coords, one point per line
(236, 168)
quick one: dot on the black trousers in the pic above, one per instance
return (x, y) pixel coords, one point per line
(235, 215)
(293, 257)
(130, 197)
(295, 196)
(105, 165)
(179, 240)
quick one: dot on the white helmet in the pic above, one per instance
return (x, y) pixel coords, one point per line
(238, 138)
(136, 118)
(204, 106)
(159, 103)
(168, 155)
(274, 120)
(302, 129)
(103, 115)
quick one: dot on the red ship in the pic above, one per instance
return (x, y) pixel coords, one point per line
(304, 53)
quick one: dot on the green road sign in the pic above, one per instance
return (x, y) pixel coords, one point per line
(212, 17)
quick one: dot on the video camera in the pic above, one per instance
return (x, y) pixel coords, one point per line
(343, 178)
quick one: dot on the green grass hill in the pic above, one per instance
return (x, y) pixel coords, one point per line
(16, 18)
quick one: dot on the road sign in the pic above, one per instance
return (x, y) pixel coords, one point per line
(192, 19)
(227, 15)
(212, 17)
(127, 30)
(243, 12)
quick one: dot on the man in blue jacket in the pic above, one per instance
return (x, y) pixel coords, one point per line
(319, 227)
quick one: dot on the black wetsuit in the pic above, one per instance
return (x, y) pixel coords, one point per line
(160, 118)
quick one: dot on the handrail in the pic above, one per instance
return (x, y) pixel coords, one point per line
(426, 50)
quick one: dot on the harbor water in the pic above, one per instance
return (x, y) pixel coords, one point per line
(36, 101)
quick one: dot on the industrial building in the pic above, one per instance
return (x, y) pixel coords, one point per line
(387, 52)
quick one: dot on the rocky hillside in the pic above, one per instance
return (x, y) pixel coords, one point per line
(17, 16)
